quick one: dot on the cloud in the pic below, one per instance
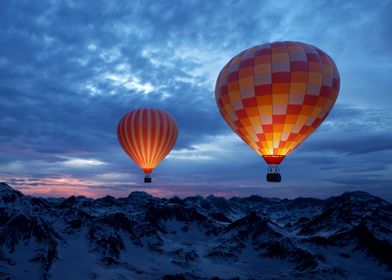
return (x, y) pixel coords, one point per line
(211, 148)
(82, 163)
(130, 82)
(350, 130)
(360, 143)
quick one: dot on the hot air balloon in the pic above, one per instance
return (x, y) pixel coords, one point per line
(275, 95)
(147, 136)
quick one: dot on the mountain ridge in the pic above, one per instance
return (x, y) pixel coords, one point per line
(144, 237)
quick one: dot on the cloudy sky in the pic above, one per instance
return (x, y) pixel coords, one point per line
(70, 69)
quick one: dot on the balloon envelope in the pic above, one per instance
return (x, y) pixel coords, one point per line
(275, 95)
(147, 136)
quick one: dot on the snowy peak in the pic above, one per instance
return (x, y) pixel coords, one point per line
(358, 198)
(4, 187)
(6, 190)
(139, 196)
(344, 212)
(8, 194)
(251, 223)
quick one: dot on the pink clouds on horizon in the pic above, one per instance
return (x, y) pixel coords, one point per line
(63, 187)
(68, 186)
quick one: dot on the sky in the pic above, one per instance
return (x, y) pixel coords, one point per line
(69, 70)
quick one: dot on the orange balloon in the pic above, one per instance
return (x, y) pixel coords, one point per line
(275, 95)
(147, 136)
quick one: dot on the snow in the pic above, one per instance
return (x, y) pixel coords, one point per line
(75, 261)
(355, 263)
(24, 268)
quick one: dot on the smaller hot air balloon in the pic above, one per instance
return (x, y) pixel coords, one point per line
(147, 136)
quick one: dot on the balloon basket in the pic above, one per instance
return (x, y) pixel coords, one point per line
(147, 179)
(273, 174)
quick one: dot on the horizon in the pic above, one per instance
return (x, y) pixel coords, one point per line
(70, 71)
(204, 196)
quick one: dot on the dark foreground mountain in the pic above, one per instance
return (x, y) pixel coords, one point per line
(143, 237)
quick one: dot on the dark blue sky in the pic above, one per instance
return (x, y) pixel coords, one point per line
(70, 69)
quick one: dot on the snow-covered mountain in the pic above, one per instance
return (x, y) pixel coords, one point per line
(144, 237)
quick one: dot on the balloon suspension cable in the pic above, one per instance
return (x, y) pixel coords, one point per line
(273, 174)
(147, 178)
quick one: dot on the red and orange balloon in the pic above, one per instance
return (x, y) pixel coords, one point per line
(147, 136)
(275, 95)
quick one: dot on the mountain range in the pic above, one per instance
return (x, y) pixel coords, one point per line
(144, 237)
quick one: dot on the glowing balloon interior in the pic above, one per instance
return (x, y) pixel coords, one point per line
(275, 95)
(147, 136)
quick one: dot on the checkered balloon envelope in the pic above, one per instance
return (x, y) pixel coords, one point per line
(273, 96)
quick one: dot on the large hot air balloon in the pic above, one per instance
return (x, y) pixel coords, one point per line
(147, 136)
(275, 95)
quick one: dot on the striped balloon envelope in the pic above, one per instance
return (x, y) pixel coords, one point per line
(275, 95)
(147, 136)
